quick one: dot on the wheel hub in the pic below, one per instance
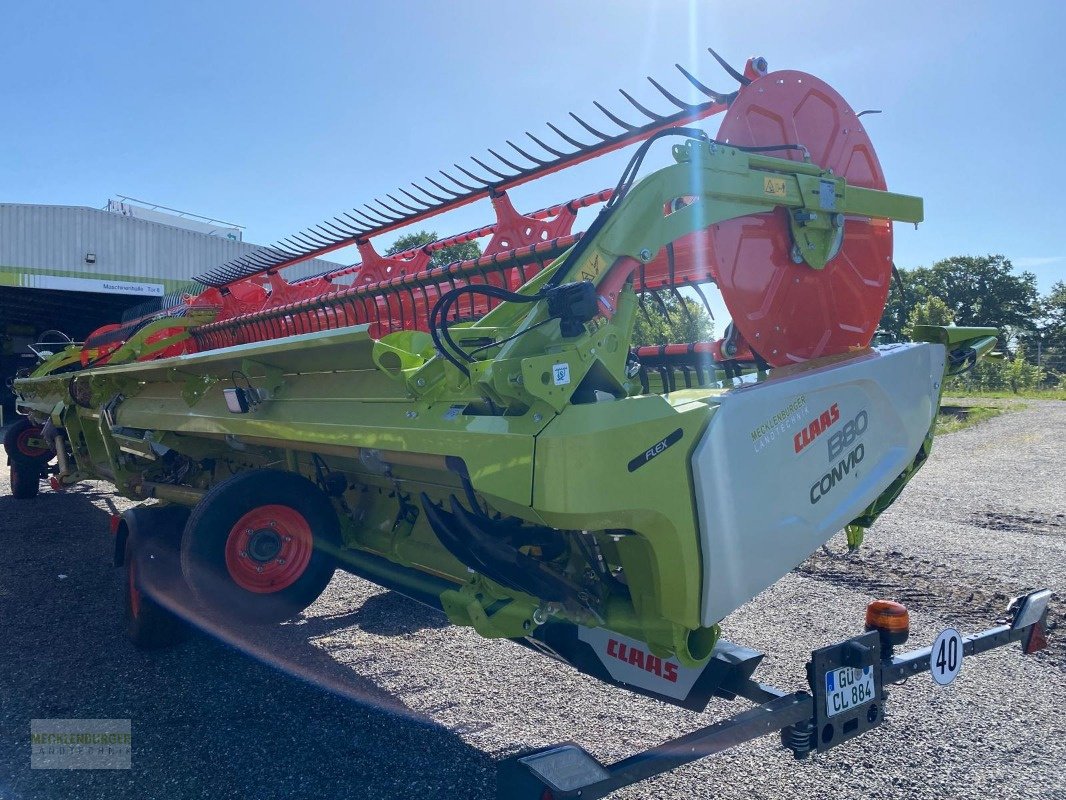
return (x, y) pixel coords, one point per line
(31, 445)
(264, 545)
(268, 549)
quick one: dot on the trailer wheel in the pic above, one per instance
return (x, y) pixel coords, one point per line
(151, 568)
(260, 547)
(25, 480)
(22, 443)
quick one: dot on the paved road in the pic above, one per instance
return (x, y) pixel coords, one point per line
(370, 695)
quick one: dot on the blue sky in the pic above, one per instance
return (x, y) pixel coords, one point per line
(278, 115)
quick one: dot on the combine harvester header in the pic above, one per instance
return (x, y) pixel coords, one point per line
(487, 438)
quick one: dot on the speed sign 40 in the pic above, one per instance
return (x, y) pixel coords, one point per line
(945, 659)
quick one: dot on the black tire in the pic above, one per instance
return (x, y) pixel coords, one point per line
(148, 625)
(272, 566)
(18, 449)
(151, 569)
(25, 480)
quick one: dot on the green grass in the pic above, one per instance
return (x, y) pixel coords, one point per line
(1006, 394)
(956, 416)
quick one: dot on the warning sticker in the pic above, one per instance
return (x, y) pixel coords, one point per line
(592, 268)
(774, 186)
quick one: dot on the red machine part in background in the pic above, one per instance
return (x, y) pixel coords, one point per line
(786, 312)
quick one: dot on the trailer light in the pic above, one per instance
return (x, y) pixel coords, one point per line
(890, 619)
(1036, 640)
(1030, 611)
(565, 768)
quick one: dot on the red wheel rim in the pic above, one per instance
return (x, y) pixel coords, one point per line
(22, 442)
(268, 549)
(135, 592)
(788, 312)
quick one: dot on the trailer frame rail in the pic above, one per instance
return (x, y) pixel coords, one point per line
(567, 770)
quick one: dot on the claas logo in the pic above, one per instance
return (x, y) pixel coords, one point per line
(639, 658)
(816, 427)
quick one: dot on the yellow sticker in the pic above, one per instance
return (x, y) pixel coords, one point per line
(774, 186)
(592, 268)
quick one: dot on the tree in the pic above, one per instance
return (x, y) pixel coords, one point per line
(439, 258)
(1023, 375)
(1046, 344)
(1052, 311)
(900, 302)
(673, 324)
(932, 311)
(984, 291)
(1052, 318)
(978, 290)
(1000, 374)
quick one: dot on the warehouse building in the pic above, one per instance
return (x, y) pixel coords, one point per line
(73, 268)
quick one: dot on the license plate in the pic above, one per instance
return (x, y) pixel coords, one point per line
(846, 688)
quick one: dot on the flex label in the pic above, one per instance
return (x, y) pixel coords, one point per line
(655, 450)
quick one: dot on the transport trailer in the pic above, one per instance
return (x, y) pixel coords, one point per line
(847, 698)
(487, 436)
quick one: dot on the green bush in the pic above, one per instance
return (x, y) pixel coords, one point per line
(1001, 375)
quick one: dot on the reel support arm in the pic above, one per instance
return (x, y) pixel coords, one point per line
(715, 183)
(710, 184)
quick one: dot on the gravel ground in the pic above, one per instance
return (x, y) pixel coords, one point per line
(371, 695)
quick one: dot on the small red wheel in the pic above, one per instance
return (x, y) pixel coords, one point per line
(260, 547)
(28, 442)
(269, 548)
(24, 444)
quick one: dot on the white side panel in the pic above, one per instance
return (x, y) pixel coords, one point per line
(629, 661)
(787, 463)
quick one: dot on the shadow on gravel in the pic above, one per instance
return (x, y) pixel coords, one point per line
(1031, 523)
(208, 720)
(384, 614)
(392, 614)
